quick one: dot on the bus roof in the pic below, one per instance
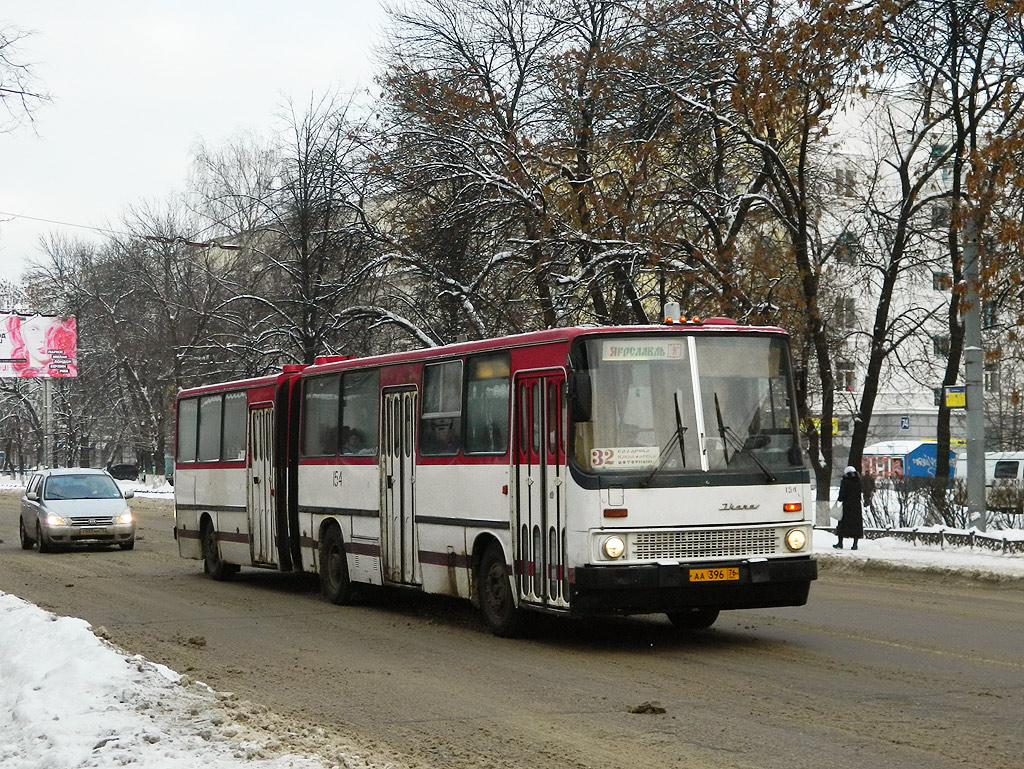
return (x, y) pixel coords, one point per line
(548, 336)
(567, 334)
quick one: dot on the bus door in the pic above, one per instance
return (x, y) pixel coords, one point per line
(260, 485)
(398, 487)
(539, 469)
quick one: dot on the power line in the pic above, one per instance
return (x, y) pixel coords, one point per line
(155, 238)
(63, 224)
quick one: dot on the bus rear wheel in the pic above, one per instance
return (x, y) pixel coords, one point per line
(497, 603)
(334, 582)
(693, 619)
(212, 563)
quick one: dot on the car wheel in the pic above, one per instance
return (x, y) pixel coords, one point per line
(212, 563)
(497, 603)
(44, 546)
(335, 585)
(26, 541)
(693, 619)
(129, 545)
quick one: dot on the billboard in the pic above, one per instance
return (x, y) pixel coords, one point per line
(33, 346)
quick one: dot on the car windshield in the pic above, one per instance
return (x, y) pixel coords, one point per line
(689, 404)
(80, 487)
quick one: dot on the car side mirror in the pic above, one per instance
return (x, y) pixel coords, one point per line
(32, 496)
(129, 494)
(580, 396)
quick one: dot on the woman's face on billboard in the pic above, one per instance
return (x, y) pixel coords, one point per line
(33, 332)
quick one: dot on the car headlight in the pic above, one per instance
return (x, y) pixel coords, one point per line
(796, 539)
(52, 519)
(614, 547)
(126, 517)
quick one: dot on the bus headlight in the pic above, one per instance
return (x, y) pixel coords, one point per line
(796, 539)
(614, 547)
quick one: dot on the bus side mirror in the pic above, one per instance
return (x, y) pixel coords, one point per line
(580, 396)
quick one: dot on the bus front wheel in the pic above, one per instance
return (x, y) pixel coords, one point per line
(334, 582)
(497, 603)
(693, 619)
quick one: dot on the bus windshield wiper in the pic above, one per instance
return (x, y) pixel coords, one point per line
(738, 445)
(678, 437)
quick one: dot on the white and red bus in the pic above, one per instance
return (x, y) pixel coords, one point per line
(578, 471)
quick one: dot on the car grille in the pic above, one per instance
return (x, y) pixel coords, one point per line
(738, 543)
(99, 520)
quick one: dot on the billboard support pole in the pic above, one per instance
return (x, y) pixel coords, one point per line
(47, 405)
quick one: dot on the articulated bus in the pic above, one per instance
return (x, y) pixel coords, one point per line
(576, 471)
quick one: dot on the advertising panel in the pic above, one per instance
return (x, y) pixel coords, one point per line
(33, 346)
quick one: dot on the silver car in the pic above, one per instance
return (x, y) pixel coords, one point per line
(75, 506)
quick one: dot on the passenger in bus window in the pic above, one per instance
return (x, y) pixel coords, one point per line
(440, 437)
(353, 441)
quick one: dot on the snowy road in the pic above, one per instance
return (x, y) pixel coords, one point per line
(881, 668)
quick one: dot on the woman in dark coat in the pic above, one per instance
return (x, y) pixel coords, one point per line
(852, 523)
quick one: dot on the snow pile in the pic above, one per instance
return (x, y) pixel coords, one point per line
(74, 701)
(896, 554)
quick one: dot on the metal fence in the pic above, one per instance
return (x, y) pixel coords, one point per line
(943, 538)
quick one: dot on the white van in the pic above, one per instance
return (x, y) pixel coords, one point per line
(1004, 479)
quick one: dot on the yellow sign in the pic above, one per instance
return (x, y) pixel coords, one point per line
(835, 425)
(956, 397)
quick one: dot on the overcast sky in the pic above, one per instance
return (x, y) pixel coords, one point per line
(136, 84)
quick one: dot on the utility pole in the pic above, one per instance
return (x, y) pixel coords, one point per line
(974, 373)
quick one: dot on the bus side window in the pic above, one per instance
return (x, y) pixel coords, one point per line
(360, 403)
(320, 412)
(188, 424)
(210, 410)
(235, 414)
(441, 420)
(487, 403)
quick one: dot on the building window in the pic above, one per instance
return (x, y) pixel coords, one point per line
(940, 216)
(989, 314)
(845, 314)
(937, 395)
(845, 376)
(941, 281)
(940, 345)
(846, 182)
(847, 248)
(991, 376)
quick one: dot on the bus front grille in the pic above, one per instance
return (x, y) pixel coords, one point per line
(704, 543)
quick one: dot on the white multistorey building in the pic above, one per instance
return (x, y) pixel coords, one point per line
(869, 233)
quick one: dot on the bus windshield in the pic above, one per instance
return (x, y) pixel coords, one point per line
(684, 404)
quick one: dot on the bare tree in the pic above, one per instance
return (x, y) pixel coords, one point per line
(298, 209)
(20, 95)
(959, 64)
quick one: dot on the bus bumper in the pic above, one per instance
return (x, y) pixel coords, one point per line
(666, 587)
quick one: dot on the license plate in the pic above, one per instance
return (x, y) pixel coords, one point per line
(728, 574)
(93, 530)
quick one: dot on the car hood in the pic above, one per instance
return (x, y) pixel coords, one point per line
(86, 507)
